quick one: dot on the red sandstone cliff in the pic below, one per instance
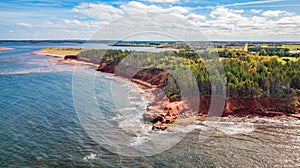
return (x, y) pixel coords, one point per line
(166, 111)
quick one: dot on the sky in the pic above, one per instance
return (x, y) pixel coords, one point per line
(226, 20)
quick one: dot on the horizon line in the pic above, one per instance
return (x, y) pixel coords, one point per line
(82, 40)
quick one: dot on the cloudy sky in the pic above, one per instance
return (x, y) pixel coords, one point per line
(265, 20)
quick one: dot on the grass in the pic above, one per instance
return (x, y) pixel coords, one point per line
(223, 49)
(294, 59)
(290, 47)
(282, 60)
(61, 50)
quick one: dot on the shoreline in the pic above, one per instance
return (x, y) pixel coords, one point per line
(5, 49)
(50, 54)
(61, 58)
(153, 94)
(166, 112)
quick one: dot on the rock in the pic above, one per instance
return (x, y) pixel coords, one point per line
(170, 114)
(71, 57)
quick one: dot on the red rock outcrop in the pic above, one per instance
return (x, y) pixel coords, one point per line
(169, 115)
(267, 107)
(71, 57)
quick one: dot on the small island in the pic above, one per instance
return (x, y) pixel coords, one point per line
(261, 80)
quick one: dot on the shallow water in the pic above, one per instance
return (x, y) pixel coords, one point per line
(45, 110)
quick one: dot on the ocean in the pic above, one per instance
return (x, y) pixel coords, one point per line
(57, 115)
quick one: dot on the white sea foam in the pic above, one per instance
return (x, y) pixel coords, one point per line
(185, 129)
(89, 157)
(231, 128)
(136, 141)
(127, 109)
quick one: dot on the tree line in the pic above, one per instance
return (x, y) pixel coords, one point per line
(245, 74)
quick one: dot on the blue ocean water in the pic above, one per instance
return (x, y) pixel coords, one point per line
(40, 125)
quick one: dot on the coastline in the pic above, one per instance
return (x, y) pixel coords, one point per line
(50, 54)
(60, 58)
(159, 102)
(165, 112)
(5, 49)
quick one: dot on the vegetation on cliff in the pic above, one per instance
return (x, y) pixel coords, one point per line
(243, 74)
(247, 75)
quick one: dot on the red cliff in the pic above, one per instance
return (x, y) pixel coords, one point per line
(163, 112)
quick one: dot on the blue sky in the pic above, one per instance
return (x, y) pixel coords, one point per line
(266, 20)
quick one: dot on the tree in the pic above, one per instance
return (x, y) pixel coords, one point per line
(263, 52)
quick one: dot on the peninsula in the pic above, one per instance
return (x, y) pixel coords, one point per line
(261, 80)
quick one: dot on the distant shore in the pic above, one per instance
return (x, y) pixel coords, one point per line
(5, 48)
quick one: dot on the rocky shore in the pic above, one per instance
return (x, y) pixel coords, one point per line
(163, 111)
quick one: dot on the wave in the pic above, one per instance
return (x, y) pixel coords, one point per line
(231, 128)
(136, 141)
(89, 157)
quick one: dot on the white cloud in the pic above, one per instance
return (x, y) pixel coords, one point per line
(76, 23)
(256, 11)
(99, 11)
(72, 22)
(227, 15)
(109, 12)
(228, 23)
(195, 17)
(276, 13)
(23, 25)
(150, 26)
(238, 11)
(223, 21)
(165, 1)
(134, 7)
(251, 3)
(290, 20)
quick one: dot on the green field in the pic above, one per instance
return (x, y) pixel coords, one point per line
(62, 50)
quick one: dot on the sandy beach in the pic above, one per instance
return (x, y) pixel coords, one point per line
(5, 48)
(41, 52)
(60, 58)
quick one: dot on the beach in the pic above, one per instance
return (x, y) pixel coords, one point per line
(5, 48)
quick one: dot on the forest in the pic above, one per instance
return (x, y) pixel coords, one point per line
(245, 75)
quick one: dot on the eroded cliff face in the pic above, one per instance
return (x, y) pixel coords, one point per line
(165, 111)
(261, 106)
(266, 107)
